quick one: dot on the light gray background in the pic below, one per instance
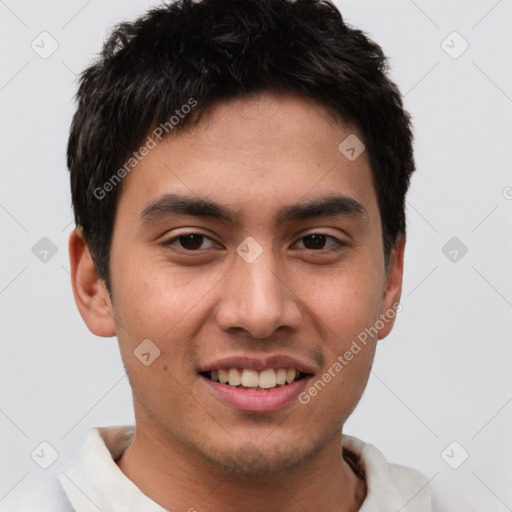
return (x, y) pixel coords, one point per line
(444, 373)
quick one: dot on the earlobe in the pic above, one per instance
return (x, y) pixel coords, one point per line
(89, 290)
(393, 290)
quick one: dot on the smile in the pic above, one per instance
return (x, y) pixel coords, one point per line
(249, 379)
(251, 384)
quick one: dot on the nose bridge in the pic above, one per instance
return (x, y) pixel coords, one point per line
(255, 298)
(259, 278)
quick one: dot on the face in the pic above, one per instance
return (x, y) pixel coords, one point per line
(250, 249)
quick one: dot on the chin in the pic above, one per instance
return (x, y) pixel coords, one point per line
(262, 458)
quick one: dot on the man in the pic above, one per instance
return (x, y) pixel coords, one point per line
(238, 173)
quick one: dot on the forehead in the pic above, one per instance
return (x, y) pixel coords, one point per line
(255, 154)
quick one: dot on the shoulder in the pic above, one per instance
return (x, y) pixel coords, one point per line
(389, 486)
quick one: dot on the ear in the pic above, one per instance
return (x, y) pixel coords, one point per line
(393, 290)
(89, 290)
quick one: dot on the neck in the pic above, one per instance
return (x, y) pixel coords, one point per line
(179, 479)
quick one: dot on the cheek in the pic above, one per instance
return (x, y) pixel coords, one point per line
(157, 300)
(345, 302)
(346, 306)
(169, 307)
(332, 395)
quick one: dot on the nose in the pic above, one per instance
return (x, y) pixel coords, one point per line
(258, 298)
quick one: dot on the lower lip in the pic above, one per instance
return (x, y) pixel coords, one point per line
(256, 401)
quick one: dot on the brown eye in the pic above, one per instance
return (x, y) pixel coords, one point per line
(318, 241)
(315, 241)
(191, 242)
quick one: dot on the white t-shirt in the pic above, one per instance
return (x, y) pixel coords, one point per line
(94, 482)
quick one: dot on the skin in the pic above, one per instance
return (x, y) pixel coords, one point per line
(252, 155)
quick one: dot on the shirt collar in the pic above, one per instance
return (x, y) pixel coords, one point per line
(95, 482)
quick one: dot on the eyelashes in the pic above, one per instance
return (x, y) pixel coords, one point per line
(192, 242)
(189, 238)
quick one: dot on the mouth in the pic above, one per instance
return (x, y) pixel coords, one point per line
(253, 380)
(256, 385)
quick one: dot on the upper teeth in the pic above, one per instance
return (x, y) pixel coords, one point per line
(265, 379)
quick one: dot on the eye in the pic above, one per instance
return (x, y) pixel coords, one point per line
(191, 241)
(317, 241)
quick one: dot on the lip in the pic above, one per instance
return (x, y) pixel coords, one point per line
(259, 364)
(256, 401)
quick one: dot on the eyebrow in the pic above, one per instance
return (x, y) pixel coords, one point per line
(168, 205)
(337, 205)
